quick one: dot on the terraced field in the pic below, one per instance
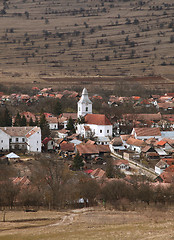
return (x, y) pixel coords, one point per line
(52, 39)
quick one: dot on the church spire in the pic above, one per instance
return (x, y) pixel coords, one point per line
(84, 104)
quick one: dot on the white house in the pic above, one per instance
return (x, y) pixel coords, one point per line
(20, 138)
(116, 144)
(52, 122)
(62, 133)
(95, 125)
(160, 167)
(135, 144)
(146, 133)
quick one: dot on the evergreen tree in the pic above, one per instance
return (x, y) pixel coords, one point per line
(70, 125)
(45, 130)
(1, 119)
(110, 171)
(17, 120)
(31, 123)
(23, 121)
(7, 118)
(57, 108)
(78, 162)
(36, 123)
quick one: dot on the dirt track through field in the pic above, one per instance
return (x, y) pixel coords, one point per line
(90, 223)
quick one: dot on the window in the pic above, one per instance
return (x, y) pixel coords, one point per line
(17, 139)
(37, 142)
(100, 131)
(10, 140)
(2, 141)
(37, 149)
(86, 109)
(54, 126)
(107, 131)
(23, 139)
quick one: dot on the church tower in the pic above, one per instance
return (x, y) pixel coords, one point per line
(84, 104)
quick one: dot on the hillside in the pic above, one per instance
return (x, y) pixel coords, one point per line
(57, 38)
(87, 224)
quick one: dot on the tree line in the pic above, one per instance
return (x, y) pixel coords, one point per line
(53, 186)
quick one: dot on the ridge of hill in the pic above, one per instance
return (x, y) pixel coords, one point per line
(54, 39)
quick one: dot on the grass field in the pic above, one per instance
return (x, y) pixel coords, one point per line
(50, 39)
(89, 224)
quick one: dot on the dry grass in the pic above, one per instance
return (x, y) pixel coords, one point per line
(89, 224)
(30, 57)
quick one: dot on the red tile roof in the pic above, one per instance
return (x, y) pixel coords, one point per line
(119, 162)
(103, 148)
(98, 173)
(169, 161)
(28, 115)
(92, 149)
(52, 120)
(97, 119)
(87, 149)
(46, 140)
(143, 117)
(167, 177)
(161, 143)
(19, 131)
(147, 131)
(67, 147)
(170, 169)
(68, 115)
(33, 131)
(135, 142)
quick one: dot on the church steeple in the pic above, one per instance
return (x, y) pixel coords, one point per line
(84, 104)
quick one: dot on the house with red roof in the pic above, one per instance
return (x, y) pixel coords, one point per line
(98, 173)
(48, 144)
(135, 144)
(146, 133)
(121, 164)
(67, 148)
(165, 144)
(161, 166)
(167, 176)
(97, 126)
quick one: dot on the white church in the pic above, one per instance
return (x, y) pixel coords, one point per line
(96, 125)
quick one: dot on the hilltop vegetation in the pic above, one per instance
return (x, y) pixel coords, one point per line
(85, 38)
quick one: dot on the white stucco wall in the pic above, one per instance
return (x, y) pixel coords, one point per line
(100, 131)
(34, 142)
(84, 108)
(147, 137)
(53, 126)
(51, 145)
(158, 170)
(4, 140)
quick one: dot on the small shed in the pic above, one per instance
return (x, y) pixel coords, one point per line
(12, 157)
